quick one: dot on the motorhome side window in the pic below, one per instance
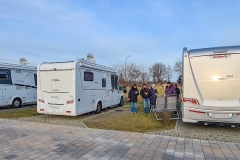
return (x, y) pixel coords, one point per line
(4, 75)
(104, 82)
(88, 76)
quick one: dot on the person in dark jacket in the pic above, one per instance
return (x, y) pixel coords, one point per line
(177, 91)
(153, 97)
(170, 89)
(132, 97)
(144, 92)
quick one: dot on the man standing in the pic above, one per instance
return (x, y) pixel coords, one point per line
(153, 97)
(177, 91)
(132, 97)
(145, 98)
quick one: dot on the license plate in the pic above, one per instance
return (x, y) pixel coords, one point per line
(220, 115)
(55, 107)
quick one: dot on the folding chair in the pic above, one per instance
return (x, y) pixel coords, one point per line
(160, 106)
(171, 105)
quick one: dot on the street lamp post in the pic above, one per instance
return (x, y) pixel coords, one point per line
(126, 67)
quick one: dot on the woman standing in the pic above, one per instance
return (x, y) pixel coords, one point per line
(132, 97)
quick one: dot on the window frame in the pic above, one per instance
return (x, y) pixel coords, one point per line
(104, 82)
(84, 77)
(6, 81)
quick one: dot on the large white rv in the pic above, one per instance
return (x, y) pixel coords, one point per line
(211, 85)
(18, 85)
(77, 87)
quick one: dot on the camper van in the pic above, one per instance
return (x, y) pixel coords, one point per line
(18, 85)
(211, 85)
(77, 87)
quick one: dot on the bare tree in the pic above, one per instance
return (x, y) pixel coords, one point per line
(120, 68)
(158, 72)
(133, 71)
(144, 76)
(169, 73)
(178, 67)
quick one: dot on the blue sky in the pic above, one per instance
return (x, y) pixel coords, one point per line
(148, 30)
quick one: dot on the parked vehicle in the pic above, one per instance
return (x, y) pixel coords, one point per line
(18, 85)
(211, 85)
(77, 87)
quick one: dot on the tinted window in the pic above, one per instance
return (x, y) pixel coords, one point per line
(88, 76)
(4, 75)
(104, 82)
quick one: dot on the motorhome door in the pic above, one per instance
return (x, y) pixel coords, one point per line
(112, 90)
(28, 87)
(114, 84)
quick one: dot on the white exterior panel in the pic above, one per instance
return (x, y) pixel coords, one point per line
(61, 82)
(211, 77)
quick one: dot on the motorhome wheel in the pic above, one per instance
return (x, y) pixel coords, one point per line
(99, 108)
(17, 102)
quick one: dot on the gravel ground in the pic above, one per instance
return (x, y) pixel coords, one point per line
(195, 131)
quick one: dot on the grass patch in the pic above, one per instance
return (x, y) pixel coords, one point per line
(18, 113)
(125, 121)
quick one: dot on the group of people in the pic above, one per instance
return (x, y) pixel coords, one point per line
(149, 96)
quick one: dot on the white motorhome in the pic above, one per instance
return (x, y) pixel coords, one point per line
(18, 85)
(77, 87)
(211, 85)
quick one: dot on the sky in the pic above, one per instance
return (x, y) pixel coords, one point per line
(148, 30)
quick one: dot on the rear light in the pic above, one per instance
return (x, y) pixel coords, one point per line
(68, 111)
(41, 100)
(41, 109)
(70, 101)
(197, 111)
(238, 114)
(191, 100)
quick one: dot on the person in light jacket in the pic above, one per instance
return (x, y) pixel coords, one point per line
(153, 97)
(132, 97)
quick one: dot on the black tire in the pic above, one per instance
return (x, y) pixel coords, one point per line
(121, 102)
(99, 108)
(16, 103)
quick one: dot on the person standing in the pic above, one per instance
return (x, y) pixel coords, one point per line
(145, 98)
(177, 91)
(153, 98)
(132, 97)
(170, 89)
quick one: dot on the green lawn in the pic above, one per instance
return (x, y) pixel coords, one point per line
(18, 113)
(125, 121)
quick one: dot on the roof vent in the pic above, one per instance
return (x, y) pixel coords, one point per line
(90, 58)
(23, 62)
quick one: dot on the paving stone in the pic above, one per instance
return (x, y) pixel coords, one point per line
(30, 140)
